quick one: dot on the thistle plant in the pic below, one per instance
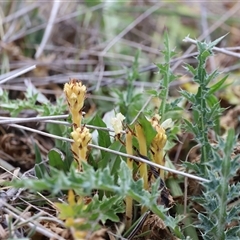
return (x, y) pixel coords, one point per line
(205, 107)
(218, 220)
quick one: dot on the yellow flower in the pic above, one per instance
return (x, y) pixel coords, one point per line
(75, 93)
(159, 140)
(117, 123)
(82, 137)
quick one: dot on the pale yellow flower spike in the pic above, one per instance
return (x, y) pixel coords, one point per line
(129, 201)
(75, 93)
(82, 137)
(158, 143)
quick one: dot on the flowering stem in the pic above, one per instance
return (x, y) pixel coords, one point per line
(143, 151)
(129, 201)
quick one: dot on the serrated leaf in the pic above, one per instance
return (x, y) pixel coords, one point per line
(189, 96)
(211, 76)
(192, 128)
(215, 42)
(232, 233)
(190, 69)
(206, 221)
(152, 92)
(110, 215)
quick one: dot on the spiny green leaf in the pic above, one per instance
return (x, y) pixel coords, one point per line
(215, 42)
(192, 128)
(190, 69)
(189, 96)
(211, 76)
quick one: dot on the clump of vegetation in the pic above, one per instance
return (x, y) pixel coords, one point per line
(125, 182)
(154, 164)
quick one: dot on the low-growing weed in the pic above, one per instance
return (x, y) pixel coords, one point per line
(122, 178)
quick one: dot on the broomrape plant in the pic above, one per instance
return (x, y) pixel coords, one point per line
(75, 94)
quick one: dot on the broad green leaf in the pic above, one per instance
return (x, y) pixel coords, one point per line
(103, 135)
(57, 159)
(58, 130)
(217, 86)
(40, 168)
(149, 131)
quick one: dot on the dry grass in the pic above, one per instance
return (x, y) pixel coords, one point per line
(96, 43)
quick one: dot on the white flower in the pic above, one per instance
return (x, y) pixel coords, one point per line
(117, 123)
(168, 123)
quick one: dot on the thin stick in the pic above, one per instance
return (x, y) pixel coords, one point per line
(32, 119)
(44, 231)
(140, 159)
(22, 11)
(18, 73)
(131, 26)
(217, 49)
(216, 24)
(47, 33)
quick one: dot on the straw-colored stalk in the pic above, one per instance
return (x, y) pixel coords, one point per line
(129, 201)
(143, 151)
(75, 223)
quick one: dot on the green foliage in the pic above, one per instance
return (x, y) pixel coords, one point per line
(98, 210)
(40, 169)
(167, 77)
(57, 160)
(129, 100)
(149, 131)
(217, 164)
(88, 180)
(106, 178)
(103, 136)
(218, 193)
(30, 102)
(205, 108)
